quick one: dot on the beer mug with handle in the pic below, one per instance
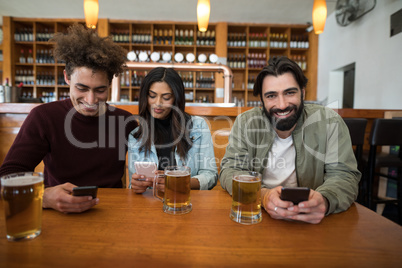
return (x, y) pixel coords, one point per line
(176, 199)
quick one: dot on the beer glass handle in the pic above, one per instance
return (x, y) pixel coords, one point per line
(155, 191)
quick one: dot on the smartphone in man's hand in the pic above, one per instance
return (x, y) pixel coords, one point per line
(295, 194)
(85, 191)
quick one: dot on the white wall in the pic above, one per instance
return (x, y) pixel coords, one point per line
(378, 58)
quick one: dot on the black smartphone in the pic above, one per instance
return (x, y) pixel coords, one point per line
(85, 191)
(295, 194)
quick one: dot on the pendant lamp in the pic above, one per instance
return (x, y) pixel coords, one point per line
(203, 10)
(91, 10)
(319, 15)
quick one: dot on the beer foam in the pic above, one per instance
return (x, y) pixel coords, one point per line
(246, 179)
(21, 181)
(177, 173)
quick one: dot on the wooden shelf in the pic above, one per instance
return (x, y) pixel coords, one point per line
(145, 30)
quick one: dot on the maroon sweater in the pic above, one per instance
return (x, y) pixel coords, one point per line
(79, 149)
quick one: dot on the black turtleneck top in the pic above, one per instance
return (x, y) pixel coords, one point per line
(164, 143)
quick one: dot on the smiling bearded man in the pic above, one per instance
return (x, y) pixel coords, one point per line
(292, 144)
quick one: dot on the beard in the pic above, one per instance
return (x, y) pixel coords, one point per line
(284, 124)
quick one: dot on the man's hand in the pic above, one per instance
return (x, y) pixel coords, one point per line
(311, 211)
(59, 198)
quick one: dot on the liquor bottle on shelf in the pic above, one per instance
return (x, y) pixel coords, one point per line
(250, 82)
(198, 42)
(17, 36)
(251, 40)
(60, 79)
(191, 40)
(134, 79)
(17, 77)
(22, 58)
(230, 40)
(208, 39)
(202, 41)
(213, 39)
(177, 39)
(30, 57)
(63, 95)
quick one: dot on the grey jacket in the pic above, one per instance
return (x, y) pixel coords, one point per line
(325, 161)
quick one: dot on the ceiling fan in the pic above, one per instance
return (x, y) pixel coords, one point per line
(347, 11)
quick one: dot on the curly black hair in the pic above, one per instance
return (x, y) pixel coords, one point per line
(82, 47)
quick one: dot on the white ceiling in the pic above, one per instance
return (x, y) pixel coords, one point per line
(239, 11)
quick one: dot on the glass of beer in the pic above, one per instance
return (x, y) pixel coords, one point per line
(246, 198)
(176, 199)
(22, 195)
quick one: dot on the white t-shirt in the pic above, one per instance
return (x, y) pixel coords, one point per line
(280, 169)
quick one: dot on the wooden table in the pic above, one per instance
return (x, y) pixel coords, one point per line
(130, 230)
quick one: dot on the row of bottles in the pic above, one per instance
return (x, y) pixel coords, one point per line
(237, 40)
(45, 79)
(206, 38)
(240, 103)
(205, 80)
(184, 37)
(250, 82)
(60, 80)
(258, 40)
(26, 95)
(236, 60)
(25, 77)
(42, 56)
(142, 37)
(254, 60)
(48, 96)
(64, 95)
(257, 60)
(164, 37)
(24, 35)
(43, 35)
(26, 58)
(300, 60)
(203, 99)
(136, 78)
(278, 40)
(187, 78)
(120, 36)
(299, 41)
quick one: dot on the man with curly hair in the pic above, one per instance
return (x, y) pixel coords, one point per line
(81, 140)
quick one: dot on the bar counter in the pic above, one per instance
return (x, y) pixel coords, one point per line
(202, 110)
(131, 230)
(219, 119)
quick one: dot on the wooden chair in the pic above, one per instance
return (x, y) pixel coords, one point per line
(385, 132)
(357, 129)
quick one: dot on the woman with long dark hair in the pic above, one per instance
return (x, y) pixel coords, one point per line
(167, 135)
